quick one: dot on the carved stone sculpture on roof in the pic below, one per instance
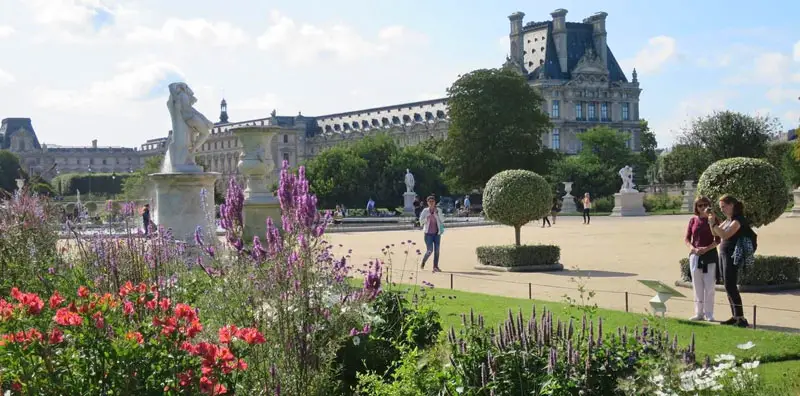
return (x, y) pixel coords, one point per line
(590, 63)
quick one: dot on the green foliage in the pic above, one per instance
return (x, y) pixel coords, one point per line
(729, 134)
(42, 188)
(517, 197)
(94, 183)
(601, 205)
(781, 156)
(648, 143)
(756, 183)
(518, 256)
(10, 170)
(373, 167)
(662, 202)
(137, 185)
(684, 162)
(496, 123)
(767, 270)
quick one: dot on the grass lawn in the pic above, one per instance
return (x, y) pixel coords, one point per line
(778, 352)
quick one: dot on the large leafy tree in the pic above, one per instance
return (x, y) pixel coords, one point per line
(684, 162)
(10, 170)
(647, 140)
(139, 185)
(335, 176)
(781, 156)
(730, 134)
(496, 123)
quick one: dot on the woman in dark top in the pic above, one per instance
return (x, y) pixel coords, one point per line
(146, 219)
(733, 228)
(703, 259)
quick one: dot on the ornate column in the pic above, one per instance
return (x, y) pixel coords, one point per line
(255, 165)
(688, 196)
(796, 207)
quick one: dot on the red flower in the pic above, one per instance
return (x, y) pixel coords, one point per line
(126, 289)
(164, 304)
(185, 378)
(225, 333)
(65, 317)
(150, 305)
(135, 336)
(194, 329)
(183, 311)
(6, 309)
(56, 336)
(127, 308)
(30, 300)
(83, 292)
(99, 322)
(56, 300)
(251, 336)
(211, 387)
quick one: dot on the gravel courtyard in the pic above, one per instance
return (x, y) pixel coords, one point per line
(612, 254)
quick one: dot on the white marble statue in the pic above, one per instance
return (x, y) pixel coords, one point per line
(190, 130)
(626, 174)
(409, 181)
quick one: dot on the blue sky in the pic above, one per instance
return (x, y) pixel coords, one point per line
(86, 69)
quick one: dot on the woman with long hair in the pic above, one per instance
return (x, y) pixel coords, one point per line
(703, 259)
(734, 228)
(432, 221)
(587, 207)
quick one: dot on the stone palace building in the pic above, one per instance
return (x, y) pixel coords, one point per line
(569, 62)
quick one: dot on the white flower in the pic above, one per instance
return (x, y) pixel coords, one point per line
(657, 379)
(356, 340)
(725, 366)
(750, 365)
(724, 358)
(746, 346)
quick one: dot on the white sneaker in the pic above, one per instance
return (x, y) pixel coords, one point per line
(709, 318)
(696, 318)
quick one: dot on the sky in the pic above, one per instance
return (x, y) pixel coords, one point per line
(99, 69)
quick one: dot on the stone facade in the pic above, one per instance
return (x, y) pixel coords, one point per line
(570, 63)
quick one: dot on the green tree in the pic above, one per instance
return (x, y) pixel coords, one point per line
(138, 185)
(781, 156)
(729, 134)
(496, 123)
(336, 176)
(684, 162)
(516, 197)
(426, 166)
(648, 143)
(10, 170)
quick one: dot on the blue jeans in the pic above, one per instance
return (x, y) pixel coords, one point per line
(432, 242)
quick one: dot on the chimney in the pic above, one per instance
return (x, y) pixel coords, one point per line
(598, 21)
(517, 49)
(94, 143)
(560, 36)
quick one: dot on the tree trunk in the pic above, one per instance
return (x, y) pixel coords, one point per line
(516, 234)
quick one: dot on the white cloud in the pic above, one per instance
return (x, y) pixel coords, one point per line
(6, 78)
(6, 31)
(659, 51)
(201, 30)
(780, 94)
(135, 81)
(305, 43)
(767, 68)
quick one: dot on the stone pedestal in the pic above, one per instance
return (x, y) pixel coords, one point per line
(20, 183)
(628, 203)
(568, 200)
(796, 207)
(179, 204)
(688, 196)
(256, 165)
(408, 202)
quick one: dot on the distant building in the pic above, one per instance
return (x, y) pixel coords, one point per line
(570, 63)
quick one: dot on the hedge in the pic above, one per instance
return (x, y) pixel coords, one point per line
(510, 256)
(95, 183)
(768, 270)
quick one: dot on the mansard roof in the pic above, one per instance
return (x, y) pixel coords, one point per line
(579, 40)
(11, 126)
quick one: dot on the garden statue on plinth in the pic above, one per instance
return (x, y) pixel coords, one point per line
(568, 200)
(256, 165)
(687, 204)
(409, 196)
(628, 201)
(184, 191)
(796, 208)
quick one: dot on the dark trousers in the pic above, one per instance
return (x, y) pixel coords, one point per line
(730, 275)
(432, 242)
(545, 220)
(586, 217)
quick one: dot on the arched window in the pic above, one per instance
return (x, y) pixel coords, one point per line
(286, 138)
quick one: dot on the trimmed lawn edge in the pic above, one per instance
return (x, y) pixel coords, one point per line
(748, 288)
(522, 268)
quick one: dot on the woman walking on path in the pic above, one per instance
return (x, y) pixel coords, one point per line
(736, 249)
(146, 219)
(553, 212)
(703, 259)
(432, 221)
(587, 206)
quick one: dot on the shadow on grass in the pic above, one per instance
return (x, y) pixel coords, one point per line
(593, 273)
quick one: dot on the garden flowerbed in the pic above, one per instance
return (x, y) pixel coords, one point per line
(770, 273)
(524, 258)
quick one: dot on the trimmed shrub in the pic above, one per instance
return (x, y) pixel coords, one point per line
(516, 197)
(768, 270)
(95, 183)
(656, 202)
(518, 256)
(602, 205)
(759, 185)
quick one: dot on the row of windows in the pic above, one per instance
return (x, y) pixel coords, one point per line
(385, 122)
(591, 110)
(555, 140)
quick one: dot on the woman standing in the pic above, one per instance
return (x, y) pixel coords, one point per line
(703, 259)
(432, 221)
(587, 206)
(734, 228)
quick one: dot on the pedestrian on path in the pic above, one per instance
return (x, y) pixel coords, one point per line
(587, 207)
(432, 221)
(703, 259)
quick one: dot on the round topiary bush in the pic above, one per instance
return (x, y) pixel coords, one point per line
(755, 182)
(516, 197)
